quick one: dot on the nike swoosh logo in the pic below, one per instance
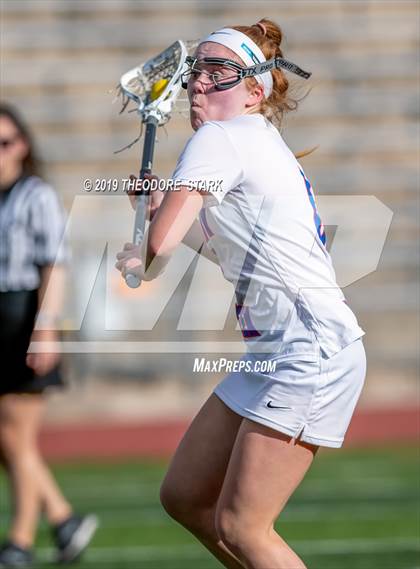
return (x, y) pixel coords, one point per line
(269, 404)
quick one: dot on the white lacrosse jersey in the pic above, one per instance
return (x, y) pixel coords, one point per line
(261, 221)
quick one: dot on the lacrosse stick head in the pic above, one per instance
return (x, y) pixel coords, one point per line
(155, 84)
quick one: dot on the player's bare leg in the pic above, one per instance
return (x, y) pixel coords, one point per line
(195, 477)
(32, 485)
(265, 469)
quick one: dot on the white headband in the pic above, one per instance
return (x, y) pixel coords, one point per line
(247, 50)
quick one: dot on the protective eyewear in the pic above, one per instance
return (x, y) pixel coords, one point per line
(225, 73)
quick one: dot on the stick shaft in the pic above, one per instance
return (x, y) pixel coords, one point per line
(143, 198)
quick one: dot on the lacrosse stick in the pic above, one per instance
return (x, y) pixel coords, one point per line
(154, 87)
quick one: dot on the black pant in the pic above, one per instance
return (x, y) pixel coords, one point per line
(17, 316)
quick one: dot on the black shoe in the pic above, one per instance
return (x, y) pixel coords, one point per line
(73, 536)
(12, 555)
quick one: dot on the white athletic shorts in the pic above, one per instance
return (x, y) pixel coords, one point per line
(314, 398)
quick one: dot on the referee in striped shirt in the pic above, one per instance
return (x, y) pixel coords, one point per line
(31, 257)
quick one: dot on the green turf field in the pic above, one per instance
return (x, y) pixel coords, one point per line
(355, 510)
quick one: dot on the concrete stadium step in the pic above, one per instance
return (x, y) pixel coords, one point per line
(106, 72)
(299, 51)
(399, 254)
(396, 185)
(387, 176)
(395, 297)
(323, 103)
(59, 59)
(31, 8)
(300, 26)
(389, 335)
(395, 139)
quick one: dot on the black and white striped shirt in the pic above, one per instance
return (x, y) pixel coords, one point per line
(32, 223)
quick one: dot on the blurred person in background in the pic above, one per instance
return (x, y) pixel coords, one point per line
(255, 438)
(32, 223)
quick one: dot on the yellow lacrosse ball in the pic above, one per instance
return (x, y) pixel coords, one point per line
(158, 88)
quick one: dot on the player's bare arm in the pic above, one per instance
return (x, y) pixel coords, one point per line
(171, 223)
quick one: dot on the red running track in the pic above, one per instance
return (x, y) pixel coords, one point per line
(159, 439)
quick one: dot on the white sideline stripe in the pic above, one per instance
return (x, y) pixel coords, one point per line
(134, 478)
(324, 498)
(322, 486)
(140, 347)
(129, 517)
(131, 487)
(325, 547)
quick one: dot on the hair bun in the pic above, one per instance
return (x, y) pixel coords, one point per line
(262, 28)
(270, 30)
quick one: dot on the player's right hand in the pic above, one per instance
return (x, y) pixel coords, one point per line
(129, 260)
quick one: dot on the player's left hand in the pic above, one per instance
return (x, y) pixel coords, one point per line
(156, 197)
(129, 260)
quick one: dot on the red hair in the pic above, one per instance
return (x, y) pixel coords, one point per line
(268, 36)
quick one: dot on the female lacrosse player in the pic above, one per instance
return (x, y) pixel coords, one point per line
(251, 444)
(31, 227)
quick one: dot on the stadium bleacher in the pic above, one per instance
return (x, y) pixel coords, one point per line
(60, 60)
